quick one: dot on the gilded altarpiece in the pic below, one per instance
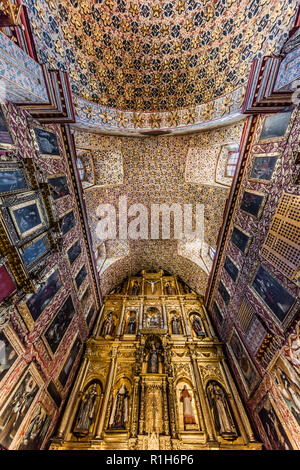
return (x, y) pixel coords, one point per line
(154, 376)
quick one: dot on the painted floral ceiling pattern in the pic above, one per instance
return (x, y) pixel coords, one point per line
(155, 170)
(155, 55)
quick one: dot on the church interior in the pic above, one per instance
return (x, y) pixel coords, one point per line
(149, 225)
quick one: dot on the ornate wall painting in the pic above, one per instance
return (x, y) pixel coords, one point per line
(224, 293)
(12, 179)
(34, 435)
(8, 354)
(187, 410)
(81, 276)
(54, 394)
(35, 250)
(263, 168)
(217, 312)
(288, 383)
(59, 325)
(275, 127)
(74, 251)
(85, 296)
(39, 301)
(243, 362)
(7, 285)
(16, 407)
(64, 373)
(67, 222)
(6, 140)
(231, 269)
(47, 142)
(28, 217)
(241, 239)
(272, 425)
(253, 203)
(59, 186)
(275, 296)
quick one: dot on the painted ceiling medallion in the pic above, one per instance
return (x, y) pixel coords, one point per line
(155, 56)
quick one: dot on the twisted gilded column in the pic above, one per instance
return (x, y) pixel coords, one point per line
(135, 408)
(142, 417)
(208, 425)
(172, 401)
(74, 399)
(239, 410)
(165, 408)
(107, 393)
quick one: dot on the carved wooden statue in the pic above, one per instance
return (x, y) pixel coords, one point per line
(222, 416)
(86, 412)
(119, 415)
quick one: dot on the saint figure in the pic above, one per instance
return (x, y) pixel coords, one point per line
(135, 288)
(175, 325)
(131, 325)
(86, 411)
(188, 414)
(197, 327)
(153, 360)
(109, 325)
(169, 289)
(222, 416)
(119, 415)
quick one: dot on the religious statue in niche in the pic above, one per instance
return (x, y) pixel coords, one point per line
(169, 288)
(109, 325)
(196, 323)
(188, 413)
(223, 420)
(175, 324)
(119, 415)
(131, 324)
(135, 288)
(86, 414)
(153, 319)
(153, 360)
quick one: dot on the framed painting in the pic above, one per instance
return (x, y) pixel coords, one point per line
(8, 354)
(16, 407)
(253, 203)
(224, 293)
(28, 217)
(272, 426)
(64, 374)
(90, 314)
(243, 362)
(7, 285)
(34, 435)
(263, 168)
(47, 142)
(39, 301)
(34, 251)
(275, 127)
(288, 383)
(231, 269)
(241, 239)
(59, 186)
(74, 251)
(217, 312)
(54, 394)
(13, 179)
(274, 296)
(6, 140)
(55, 332)
(80, 277)
(85, 296)
(67, 222)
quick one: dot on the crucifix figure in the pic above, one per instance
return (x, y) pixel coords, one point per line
(152, 285)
